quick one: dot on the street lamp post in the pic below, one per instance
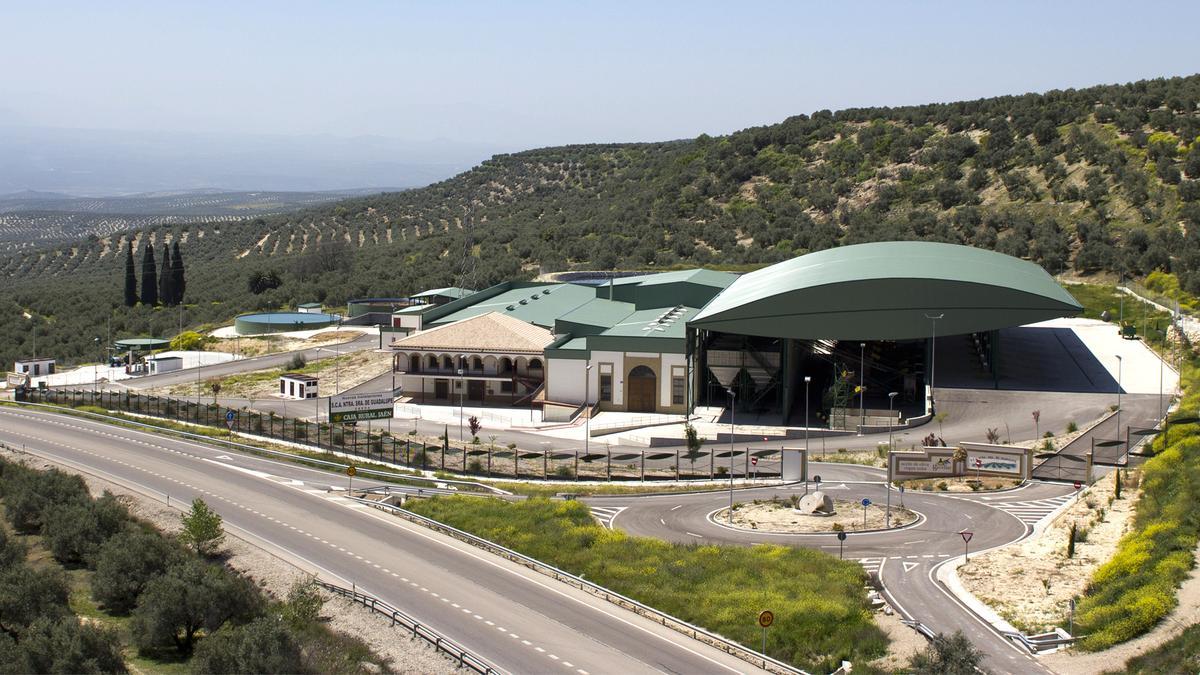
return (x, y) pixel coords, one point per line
(460, 403)
(337, 360)
(933, 357)
(807, 380)
(96, 369)
(587, 402)
(888, 487)
(862, 386)
(732, 412)
(1120, 364)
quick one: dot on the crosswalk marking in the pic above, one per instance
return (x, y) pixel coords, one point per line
(871, 565)
(606, 514)
(1030, 512)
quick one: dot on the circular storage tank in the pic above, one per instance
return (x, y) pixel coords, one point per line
(280, 322)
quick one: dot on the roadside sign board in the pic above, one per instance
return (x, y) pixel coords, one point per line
(230, 415)
(978, 463)
(966, 536)
(841, 536)
(1078, 485)
(364, 406)
(754, 461)
(766, 618)
(866, 502)
(350, 471)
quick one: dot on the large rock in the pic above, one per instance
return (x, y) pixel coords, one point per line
(816, 504)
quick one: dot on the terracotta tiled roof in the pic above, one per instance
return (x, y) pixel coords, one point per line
(491, 332)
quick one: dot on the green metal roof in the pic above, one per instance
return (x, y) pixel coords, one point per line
(887, 290)
(414, 309)
(653, 323)
(594, 316)
(695, 276)
(539, 304)
(448, 292)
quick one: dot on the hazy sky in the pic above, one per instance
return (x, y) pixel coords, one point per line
(543, 73)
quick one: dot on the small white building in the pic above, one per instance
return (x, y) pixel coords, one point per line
(296, 385)
(309, 308)
(34, 367)
(157, 365)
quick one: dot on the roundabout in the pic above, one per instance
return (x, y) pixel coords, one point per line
(783, 517)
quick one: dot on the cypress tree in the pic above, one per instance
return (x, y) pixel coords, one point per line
(177, 271)
(149, 276)
(166, 278)
(131, 296)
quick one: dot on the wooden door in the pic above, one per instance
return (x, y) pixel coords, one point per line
(641, 390)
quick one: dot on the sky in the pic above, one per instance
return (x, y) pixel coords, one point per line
(528, 74)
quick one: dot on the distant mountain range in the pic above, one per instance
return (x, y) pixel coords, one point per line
(90, 162)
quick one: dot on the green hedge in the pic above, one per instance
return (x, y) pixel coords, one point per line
(821, 615)
(1131, 593)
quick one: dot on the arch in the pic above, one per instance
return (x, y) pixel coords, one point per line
(414, 362)
(447, 362)
(432, 361)
(642, 389)
(504, 366)
(535, 363)
(476, 364)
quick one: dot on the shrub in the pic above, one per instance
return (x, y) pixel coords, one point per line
(564, 471)
(74, 532)
(262, 646)
(304, 603)
(1072, 427)
(65, 645)
(298, 361)
(126, 563)
(475, 466)
(954, 655)
(191, 596)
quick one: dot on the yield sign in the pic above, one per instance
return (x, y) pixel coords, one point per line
(966, 536)
(908, 566)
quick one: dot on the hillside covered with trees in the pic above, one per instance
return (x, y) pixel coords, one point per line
(1097, 180)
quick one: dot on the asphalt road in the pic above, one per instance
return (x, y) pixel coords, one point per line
(906, 559)
(366, 341)
(516, 618)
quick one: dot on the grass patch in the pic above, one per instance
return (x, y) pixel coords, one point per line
(821, 615)
(1097, 299)
(1133, 591)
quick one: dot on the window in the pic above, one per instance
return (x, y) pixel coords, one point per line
(678, 385)
(283, 386)
(506, 387)
(606, 387)
(535, 364)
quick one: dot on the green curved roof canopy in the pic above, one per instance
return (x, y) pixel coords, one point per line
(887, 291)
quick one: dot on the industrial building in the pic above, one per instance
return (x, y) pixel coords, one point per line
(828, 334)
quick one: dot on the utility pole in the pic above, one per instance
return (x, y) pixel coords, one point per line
(862, 386)
(933, 358)
(732, 412)
(888, 487)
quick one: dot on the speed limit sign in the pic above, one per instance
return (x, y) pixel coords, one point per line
(766, 618)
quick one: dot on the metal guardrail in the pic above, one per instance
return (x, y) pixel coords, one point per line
(443, 644)
(254, 448)
(695, 632)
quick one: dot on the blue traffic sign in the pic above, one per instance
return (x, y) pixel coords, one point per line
(229, 416)
(866, 502)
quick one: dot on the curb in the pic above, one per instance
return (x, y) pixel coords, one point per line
(947, 575)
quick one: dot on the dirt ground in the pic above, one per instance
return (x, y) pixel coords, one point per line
(1030, 583)
(903, 643)
(781, 517)
(257, 346)
(349, 370)
(275, 576)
